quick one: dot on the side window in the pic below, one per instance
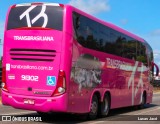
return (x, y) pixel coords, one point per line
(104, 38)
(80, 27)
(132, 51)
(150, 60)
(123, 43)
(111, 44)
(93, 35)
(139, 51)
(119, 44)
(143, 54)
(87, 32)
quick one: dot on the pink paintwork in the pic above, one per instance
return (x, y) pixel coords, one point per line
(26, 80)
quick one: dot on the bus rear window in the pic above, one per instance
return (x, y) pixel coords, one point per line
(43, 16)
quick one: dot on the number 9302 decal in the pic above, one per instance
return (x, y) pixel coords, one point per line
(29, 78)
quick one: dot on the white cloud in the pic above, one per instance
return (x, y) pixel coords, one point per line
(156, 32)
(91, 6)
(1, 29)
(157, 57)
(154, 40)
(157, 51)
(156, 54)
(1, 36)
(124, 21)
(1, 26)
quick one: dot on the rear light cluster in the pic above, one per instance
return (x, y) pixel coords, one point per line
(4, 86)
(61, 84)
(36, 3)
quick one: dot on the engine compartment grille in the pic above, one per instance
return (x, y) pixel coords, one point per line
(32, 54)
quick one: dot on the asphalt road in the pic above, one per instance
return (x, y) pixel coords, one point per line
(131, 114)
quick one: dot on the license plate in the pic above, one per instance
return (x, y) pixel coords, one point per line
(29, 101)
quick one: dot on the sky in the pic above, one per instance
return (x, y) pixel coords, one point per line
(140, 17)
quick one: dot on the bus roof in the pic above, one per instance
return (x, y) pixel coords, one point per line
(39, 3)
(108, 24)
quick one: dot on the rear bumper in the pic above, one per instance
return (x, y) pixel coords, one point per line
(41, 104)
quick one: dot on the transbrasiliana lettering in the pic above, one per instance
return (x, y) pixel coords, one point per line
(34, 38)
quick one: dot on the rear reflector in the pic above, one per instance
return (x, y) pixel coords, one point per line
(61, 84)
(4, 86)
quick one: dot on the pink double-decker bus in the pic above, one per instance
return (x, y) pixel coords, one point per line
(57, 58)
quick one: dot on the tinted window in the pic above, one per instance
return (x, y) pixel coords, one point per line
(86, 31)
(104, 38)
(149, 52)
(36, 16)
(96, 36)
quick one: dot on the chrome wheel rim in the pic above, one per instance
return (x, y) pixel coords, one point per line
(94, 107)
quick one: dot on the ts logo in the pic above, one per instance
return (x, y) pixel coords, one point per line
(41, 14)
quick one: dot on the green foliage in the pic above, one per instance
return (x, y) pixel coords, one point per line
(141, 59)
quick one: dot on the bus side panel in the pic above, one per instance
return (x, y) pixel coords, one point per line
(126, 80)
(79, 98)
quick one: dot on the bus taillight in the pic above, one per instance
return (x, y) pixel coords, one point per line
(61, 84)
(4, 86)
(37, 4)
(13, 6)
(61, 5)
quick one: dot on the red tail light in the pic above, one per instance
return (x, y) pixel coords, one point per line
(61, 5)
(13, 6)
(4, 86)
(61, 84)
(37, 4)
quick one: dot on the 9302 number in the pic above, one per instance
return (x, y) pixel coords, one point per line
(29, 78)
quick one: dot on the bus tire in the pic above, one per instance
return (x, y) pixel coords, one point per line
(93, 108)
(142, 105)
(105, 106)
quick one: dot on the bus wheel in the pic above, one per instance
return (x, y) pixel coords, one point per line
(105, 106)
(141, 106)
(94, 108)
